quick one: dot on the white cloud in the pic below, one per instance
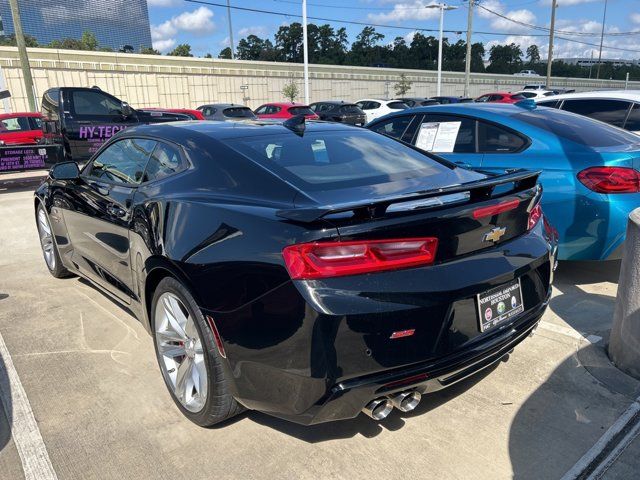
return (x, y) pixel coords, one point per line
(635, 18)
(505, 25)
(198, 22)
(415, 10)
(259, 31)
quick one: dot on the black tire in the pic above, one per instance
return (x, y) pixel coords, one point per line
(219, 404)
(57, 269)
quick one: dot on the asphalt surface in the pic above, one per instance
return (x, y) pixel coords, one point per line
(90, 381)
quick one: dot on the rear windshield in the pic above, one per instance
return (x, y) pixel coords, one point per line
(338, 159)
(576, 128)
(518, 96)
(238, 112)
(397, 105)
(300, 111)
(350, 109)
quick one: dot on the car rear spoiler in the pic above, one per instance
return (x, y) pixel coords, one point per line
(478, 190)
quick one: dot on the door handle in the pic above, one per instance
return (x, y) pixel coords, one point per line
(116, 211)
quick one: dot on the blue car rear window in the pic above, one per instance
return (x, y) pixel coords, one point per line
(576, 128)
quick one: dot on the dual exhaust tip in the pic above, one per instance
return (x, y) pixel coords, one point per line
(380, 408)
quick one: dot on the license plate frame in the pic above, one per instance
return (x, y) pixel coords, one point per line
(509, 295)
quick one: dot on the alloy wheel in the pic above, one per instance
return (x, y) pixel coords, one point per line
(46, 239)
(181, 352)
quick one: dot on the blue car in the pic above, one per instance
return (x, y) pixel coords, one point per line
(589, 169)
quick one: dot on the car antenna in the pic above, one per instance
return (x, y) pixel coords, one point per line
(296, 124)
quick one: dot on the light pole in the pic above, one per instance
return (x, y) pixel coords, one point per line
(233, 55)
(442, 7)
(604, 18)
(467, 63)
(22, 53)
(305, 45)
(551, 33)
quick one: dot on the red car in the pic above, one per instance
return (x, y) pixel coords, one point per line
(20, 128)
(285, 110)
(500, 97)
(193, 114)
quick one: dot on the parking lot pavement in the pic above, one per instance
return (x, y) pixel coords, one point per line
(90, 375)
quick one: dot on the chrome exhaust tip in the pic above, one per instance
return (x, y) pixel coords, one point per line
(406, 401)
(378, 409)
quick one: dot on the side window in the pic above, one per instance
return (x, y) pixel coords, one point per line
(550, 103)
(494, 139)
(483, 98)
(261, 110)
(466, 138)
(123, 161)
(14, 124)
(165, 161)
(36, 123)
(495, 98)
(394, 127)
(633, 122)
(362, 105)
(613, 112)
(208, 111)
(88, 102)
(374, 105)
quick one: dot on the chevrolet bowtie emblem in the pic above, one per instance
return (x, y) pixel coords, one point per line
(495, 234)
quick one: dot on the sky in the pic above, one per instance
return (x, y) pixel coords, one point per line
(205, 27)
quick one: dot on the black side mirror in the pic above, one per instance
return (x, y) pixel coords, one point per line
(65, 171)
(127, 111)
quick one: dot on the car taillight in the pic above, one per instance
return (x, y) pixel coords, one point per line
(534, 216)
(307, 261)
(492, 210)
(610, 179)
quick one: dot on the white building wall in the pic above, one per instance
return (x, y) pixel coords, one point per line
(161, 81)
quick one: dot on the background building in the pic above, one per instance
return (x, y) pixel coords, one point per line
(115, 23)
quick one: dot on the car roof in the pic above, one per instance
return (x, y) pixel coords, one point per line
(632, 95)
(4, 116)
(225, 105)
(171, 110)
(285, 104)
(497, 93)
(334, 102)
(481, 110)
(179, 131)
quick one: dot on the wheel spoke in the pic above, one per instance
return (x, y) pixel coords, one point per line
(169, 335)
(182, 376)
(173, 321)
(190, 328)
(172, 351)
(200, 376)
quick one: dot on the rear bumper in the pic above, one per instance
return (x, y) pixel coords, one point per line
(347, 399)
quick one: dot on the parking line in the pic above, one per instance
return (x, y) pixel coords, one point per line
(609, 444)
(36, 464)
(569, 332)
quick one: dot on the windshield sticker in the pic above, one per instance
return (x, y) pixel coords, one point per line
(438, 137)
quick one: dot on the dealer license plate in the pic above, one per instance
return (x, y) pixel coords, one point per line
(499, 304)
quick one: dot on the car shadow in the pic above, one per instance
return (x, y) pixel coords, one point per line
(363, 425)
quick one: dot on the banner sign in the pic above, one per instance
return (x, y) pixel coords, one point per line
(28, 157)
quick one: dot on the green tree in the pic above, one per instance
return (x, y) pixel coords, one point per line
(454, 56)
(288, 42)
(477, 57)
(149, 51)
(208, 55)
(533, 54)
(67, 44)
(505, 58)
(225, 53)
(89, 41)
(10, 41)
(290, 91)
(423, 52)
(182, 50)
(363, 50)
(403, 86)
(254, 48)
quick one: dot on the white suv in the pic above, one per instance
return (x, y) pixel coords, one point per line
(376, 108)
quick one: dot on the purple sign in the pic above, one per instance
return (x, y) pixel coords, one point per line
(96, 135)
(22, 158)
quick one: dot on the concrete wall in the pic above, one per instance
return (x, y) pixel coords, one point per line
(150, 80)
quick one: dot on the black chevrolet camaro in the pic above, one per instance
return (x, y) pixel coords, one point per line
(309, 271)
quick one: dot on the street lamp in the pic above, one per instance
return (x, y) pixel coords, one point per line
(442, 7)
